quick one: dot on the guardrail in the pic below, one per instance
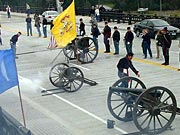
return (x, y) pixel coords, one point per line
(116, 15)
(10, 126)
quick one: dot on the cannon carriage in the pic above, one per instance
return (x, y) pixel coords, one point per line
(83, 49)
(152, 110)
(68, 78)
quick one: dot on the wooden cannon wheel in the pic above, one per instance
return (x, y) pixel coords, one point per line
(68, 78)
(56, 76)
(70, 50)
(120, 104)
(83, 49)
(74, 79)
(159, 109)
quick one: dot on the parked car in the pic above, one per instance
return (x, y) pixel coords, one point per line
(50, 15)
(154, 25)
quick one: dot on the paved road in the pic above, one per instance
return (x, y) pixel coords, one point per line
(85, 111)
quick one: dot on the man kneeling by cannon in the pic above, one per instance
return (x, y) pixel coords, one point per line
(123, 65)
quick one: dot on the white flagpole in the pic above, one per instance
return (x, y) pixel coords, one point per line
(21, 106)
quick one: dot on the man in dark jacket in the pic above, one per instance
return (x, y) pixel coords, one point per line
(95, 33)
(166, 44)
(82, 28)
(13, 42)
(116, 39)
(107, 35)
(128, 40)
(123, 65)
(29, 25)
(44, 24)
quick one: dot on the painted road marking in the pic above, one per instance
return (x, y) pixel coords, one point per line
(77, 107)
(83, 110)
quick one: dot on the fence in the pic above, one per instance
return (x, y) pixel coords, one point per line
(116, 15)
(10, 126)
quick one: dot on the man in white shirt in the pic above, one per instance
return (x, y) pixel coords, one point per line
(97, 14)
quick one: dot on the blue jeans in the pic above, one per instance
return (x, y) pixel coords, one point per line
(128, 47)
(45, 31)
(146, 47)
(96, 42)
(38, 30)
(125, 82)
(116, 46)
(13, 47)
(97, 18)
(29, 29)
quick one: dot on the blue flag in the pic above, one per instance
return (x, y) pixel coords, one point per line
(8, 71)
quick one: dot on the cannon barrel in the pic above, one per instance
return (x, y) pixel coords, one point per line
(126, 90)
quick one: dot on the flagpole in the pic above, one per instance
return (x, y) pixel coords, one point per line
(21, 106)
(179, 55)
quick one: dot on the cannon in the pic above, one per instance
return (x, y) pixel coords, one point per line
(153, 110)
(84, 49)
(68, 78)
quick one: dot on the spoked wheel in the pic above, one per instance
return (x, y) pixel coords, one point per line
(120, 103)
(73, 78)
(87, 50)
(56, 76)
(70, 51)
(159, 109)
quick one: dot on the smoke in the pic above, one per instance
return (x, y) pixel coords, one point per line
(32, 85)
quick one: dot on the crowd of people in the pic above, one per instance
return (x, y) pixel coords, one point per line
(163, 38)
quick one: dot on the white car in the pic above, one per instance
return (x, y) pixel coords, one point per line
(50, 15)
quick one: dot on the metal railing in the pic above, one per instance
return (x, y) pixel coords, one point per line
(10, 126)
(116, 15)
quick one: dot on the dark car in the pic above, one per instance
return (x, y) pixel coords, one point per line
(154, 25)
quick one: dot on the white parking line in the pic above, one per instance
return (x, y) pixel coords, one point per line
(77, 107)
(83, 110)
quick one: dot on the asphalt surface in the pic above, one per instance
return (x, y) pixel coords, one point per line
(84, 112)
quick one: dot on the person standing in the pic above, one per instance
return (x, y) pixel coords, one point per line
(37, 24)
(28, 9)
(123, 68)
(29, 25)
(97, 14)
(116, 39)
(107, 34)
(0, 35)
(92, 14)
(82, 31)
(166, 44)
(128, 40)
(95, 33)
(13, 42)
(8, 10)
(44, 24)
(159, 39)
(146, 43)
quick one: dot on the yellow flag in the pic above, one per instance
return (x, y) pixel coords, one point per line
(64, 29)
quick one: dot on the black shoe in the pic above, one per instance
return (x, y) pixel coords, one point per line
(107, 52)
(115, 53)
(165, 64)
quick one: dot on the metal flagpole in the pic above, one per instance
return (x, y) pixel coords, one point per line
(21, 106)
(179, 55)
